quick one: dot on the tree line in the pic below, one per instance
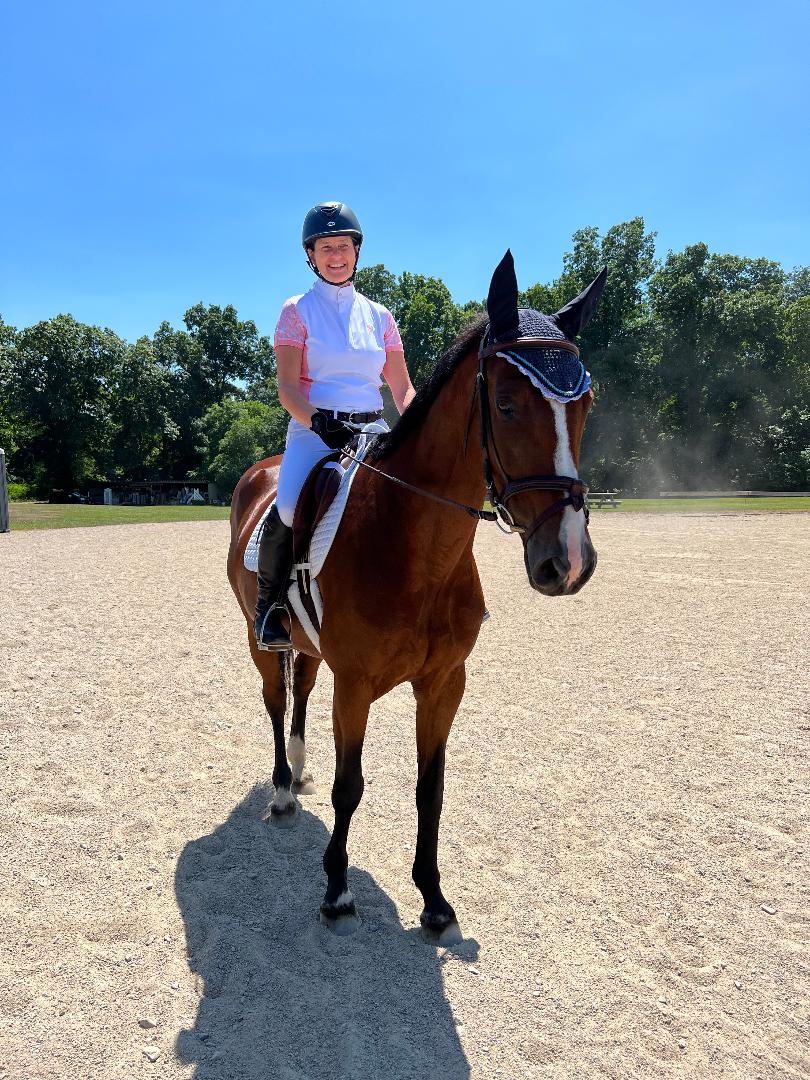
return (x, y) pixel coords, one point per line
(700, 363)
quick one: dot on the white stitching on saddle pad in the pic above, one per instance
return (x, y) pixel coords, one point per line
(251, 556)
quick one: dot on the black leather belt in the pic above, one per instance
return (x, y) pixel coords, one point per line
(352, 417)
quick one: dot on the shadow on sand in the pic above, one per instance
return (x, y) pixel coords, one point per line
(284, 997)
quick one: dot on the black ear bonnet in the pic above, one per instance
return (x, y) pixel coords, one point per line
(528, 339)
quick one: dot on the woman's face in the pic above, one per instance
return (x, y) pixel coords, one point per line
(335, 257)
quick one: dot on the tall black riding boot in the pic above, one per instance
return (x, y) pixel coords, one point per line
(275, 563)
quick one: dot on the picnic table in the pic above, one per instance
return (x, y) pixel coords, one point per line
(604, 498)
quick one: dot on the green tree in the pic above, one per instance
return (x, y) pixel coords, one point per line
(205, 364)
(797, 284)
(236, 434)
(621, 441)
(378, 284)
(12, 422)
(228, 349)
(719, 322)
(140, 413)
(424, 311)
(65, 377)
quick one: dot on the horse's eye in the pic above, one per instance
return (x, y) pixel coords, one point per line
(506, 407)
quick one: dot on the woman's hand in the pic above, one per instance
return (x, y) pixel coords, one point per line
(335, 433)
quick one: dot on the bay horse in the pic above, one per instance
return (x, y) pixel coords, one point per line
(401, 594)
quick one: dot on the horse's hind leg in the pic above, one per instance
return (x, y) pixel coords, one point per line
(306, 671)
(436, 704)
(274, 670)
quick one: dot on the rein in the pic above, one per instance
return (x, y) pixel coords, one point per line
(576, 490)
(482, 515)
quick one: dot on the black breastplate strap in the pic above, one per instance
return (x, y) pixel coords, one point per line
(575, 489)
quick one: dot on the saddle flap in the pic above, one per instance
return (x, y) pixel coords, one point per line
(320, 488)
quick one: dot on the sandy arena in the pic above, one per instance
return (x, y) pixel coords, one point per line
(625, 832)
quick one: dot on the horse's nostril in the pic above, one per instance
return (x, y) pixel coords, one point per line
(550, 572)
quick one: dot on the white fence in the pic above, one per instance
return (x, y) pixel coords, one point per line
(4, 522)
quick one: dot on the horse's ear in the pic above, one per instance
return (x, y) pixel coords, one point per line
(574, 317)
(502, 301)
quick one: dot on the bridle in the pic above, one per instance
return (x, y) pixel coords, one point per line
(576, 490)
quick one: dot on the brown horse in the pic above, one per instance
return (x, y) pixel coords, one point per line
(402, 599)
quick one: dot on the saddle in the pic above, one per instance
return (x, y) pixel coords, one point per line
(317, 517)
(317, 495)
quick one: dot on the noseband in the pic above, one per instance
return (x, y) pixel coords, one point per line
(575, 489)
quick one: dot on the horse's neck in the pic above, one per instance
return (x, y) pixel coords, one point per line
(443, 457)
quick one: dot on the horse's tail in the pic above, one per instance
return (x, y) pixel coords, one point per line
(286, 666)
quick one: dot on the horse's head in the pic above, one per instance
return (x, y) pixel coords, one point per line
(535, 395)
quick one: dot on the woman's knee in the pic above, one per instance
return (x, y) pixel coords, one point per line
(285, 512)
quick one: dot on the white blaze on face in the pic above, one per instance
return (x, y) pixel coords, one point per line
(572, 525)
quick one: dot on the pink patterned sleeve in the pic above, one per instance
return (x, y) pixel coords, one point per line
(391, 338)
(290, 330)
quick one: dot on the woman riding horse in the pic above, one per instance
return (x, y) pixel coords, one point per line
(333, 347)
(501, 418)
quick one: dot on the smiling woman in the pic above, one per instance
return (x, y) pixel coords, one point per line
(333, 349)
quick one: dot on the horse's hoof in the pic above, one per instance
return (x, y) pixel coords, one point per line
(451, 935)
(340, 908)
(304, 786)
(438, 919)
(283, 804)
(343, 926)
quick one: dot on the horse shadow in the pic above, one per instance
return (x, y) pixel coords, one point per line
(281, 995)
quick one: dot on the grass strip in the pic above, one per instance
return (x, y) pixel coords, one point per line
(764, 505)
(33, 515)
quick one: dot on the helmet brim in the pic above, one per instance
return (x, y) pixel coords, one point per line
(353, 233)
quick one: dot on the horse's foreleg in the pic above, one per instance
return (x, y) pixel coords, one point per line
(306, 672)
(349, 716)
(436, 705)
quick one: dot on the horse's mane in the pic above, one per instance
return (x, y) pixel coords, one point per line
(414, 415)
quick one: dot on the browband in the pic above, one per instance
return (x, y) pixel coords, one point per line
(527, 343)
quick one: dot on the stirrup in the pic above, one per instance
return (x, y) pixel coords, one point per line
(281, 641)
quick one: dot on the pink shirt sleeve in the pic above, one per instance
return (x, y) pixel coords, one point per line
(391, 338)
(290, 329)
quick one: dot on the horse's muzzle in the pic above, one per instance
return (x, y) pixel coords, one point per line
(549, 568)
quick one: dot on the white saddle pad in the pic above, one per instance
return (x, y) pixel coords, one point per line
(325, 533)
(323, 536)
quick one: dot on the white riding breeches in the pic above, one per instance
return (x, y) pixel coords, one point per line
(304, 449)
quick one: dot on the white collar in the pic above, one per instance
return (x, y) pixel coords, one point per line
(333, 292)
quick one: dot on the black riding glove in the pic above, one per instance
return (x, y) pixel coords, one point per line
(335, 433)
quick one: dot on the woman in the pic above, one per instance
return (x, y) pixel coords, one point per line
(333, 348)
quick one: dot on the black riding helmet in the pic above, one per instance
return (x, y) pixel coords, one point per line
(331, 219)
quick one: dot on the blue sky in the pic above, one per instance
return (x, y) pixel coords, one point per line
(154, 155)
